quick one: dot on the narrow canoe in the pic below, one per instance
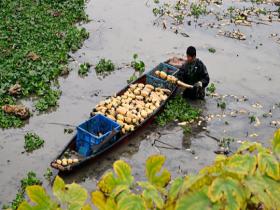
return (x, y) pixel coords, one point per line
(71, 146)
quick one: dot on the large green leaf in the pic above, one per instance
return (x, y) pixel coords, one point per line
(123, 171)
(276, 143)
(151, 196)
(72, 195)
(196, 182)
(107, 183)
(265, 190)
(268, 164)
(120, 191)
(249, 146)
(175, 188)
(131, 202)
(153, 166)
(194, 201)
(86, 207)
(241, 164)
(24, 206)
(229, 191)
(99, 200)
(40, 198)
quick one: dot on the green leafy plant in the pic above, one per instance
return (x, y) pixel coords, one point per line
(30, 180)
(222, 104)
(252, 118)
(197, 10)
(137, 64)
(49, 99)
(211, 88)
(32, 142)
(132, 78)
(212, 50)
(248, 179)
(104, 66)
(36, 37)
(177, 109)
(48, 174)
(84, 69)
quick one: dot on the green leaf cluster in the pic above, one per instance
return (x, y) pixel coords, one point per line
(177, 109)
(104, 66)
(211, 88)
(248, 179)
(36, 37)
(138, 65)
(84, 69)
(32, 142)
(212, 50)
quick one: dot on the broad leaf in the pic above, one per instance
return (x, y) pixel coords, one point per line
(119, 192)
(39, 197)
(267, 164)
(123, 171)
(194, 183)
(24, 206)
(99, 200)
(107, 183)
(276, 143)
(265, 190)
(175, 188)
(194, 201)
(86, 207)
(229, 191)
(153, 166)
(241, 164)
(249, 146)
(72, 195)
(151, 196)
(131, 202)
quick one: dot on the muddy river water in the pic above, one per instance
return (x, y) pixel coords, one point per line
(120, 28)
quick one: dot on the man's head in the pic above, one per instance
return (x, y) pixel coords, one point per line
(191, 54)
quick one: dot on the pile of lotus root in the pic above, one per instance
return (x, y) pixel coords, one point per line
(134, 106)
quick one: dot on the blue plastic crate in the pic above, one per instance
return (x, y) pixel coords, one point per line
(88, 133)
(158, 82)
(168, 69)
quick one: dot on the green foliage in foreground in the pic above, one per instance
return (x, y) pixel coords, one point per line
(177, 109)
(32, 142)
(36, 37)
(246, 180)
(104, 66)
(30, 180)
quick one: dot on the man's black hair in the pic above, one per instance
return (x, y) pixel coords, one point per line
(191, 51)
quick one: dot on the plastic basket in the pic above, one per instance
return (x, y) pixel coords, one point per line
(158, 82)
(88, 133)
(168, 69)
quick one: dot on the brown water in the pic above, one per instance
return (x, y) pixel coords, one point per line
(119, 29)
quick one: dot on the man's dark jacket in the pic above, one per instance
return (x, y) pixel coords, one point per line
(191, 73)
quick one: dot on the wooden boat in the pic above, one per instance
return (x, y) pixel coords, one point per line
(70, 148)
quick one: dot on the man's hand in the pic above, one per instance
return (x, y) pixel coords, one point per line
(198, 89)
(198, 84)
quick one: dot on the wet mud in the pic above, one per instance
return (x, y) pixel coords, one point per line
(118, 29)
